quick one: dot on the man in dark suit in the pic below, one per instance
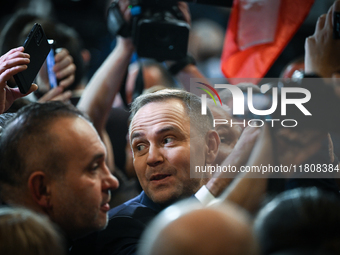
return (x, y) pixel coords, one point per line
(169, 137)
(53, 162)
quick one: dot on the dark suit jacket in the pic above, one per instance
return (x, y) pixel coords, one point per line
(126, 224)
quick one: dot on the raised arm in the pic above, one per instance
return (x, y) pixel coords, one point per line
(101, 90)
(322, 51)
(99, 94)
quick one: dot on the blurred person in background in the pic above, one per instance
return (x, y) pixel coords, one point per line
(25, 232)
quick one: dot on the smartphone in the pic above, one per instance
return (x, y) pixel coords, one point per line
(336, 25)
(37, 46)
(50, 64)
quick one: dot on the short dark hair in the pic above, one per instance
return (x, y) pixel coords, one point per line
(191, 102)
(300, 220)
(26, 140)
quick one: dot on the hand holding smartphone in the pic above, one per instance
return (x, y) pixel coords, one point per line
(37, 46)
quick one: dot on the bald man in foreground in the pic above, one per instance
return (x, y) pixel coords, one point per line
(188, 228)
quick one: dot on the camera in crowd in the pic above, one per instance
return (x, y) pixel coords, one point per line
(157, 28)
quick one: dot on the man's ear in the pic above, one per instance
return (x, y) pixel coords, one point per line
(212, 144)
(39, 189)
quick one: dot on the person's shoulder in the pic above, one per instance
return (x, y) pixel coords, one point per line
(126, 224)
(127, 208)
(139, 209)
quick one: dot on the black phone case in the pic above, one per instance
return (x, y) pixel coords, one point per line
(336, 25)
(37, 46)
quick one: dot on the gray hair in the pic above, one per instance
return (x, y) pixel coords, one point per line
(192, 103)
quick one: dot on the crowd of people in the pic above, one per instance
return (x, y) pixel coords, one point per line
(106, 164)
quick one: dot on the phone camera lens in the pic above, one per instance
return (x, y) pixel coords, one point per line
(38, 37)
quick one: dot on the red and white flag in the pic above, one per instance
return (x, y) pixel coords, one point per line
(257, 33)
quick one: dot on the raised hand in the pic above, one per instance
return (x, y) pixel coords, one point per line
(11, 63)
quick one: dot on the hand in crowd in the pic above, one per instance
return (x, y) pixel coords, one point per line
(289, 147)
(247, 191)
(64, 69)
(286, 146)
(244, 146)
(295, 147)
(184, 8)
(125, 10)
(11, 63)
(238, 157)
(322, 54)
(56, 94)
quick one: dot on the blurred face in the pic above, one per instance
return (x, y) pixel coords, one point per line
(79, 199)
(228, 135)
(152, 76)
(160, 141)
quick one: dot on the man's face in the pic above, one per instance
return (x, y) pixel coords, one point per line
(80, 197)
(160, 141)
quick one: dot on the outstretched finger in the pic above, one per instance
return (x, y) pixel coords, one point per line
(329, 17)
(67, 82)
(68, 71)
(12, 62)
(17, 94)
(51, 94)
(61, 53)
(184, 8)
(64, 97)
(320, 23)
(18, 49)
(64, 62)
(6, 75)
